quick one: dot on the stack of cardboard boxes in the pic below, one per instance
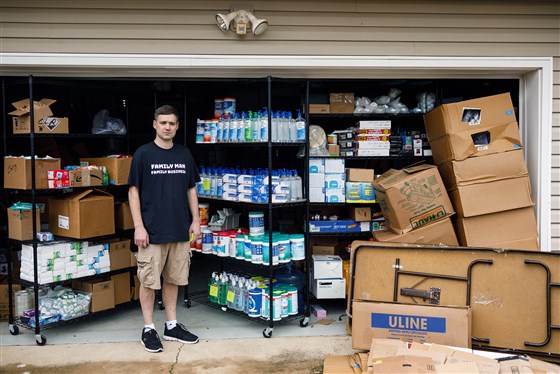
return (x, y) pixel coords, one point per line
(477, 147)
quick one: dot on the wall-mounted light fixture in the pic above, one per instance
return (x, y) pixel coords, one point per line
(241, 19)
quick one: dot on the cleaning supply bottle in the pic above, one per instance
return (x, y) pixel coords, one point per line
(257, 126)
(300, 127)
(248, 131)
(233, 128)
(240, 128)
(274, 127)
(297, 187)
(264, 125)
(225, 128)
(292, 128)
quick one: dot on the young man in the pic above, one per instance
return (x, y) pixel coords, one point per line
(164, 208)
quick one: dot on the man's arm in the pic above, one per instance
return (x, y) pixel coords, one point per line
(141, 238)
(195, 214)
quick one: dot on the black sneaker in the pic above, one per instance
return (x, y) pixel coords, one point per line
(181, 334)
(150, 341)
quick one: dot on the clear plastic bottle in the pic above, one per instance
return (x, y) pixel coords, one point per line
(297, 188)
(281, 124)
(219, 128)
(233, 128)
(286, 128)
(225, 128)
(212, 177)
(292, 130)
(230, 298)
(264, 126)
(274, 127)
(256, 125)
(300, 127)
(240, 128)
(219, 182)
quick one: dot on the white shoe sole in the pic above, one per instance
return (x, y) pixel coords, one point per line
(172, 339)
(151, 350)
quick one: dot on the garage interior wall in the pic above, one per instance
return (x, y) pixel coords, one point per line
(481, 28)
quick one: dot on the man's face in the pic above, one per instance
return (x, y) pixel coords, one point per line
(166, 126)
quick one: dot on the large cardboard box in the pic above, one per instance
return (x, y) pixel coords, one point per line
(45, 123)
(122, 288)
(118, 168)
(419, 323)
(83, 214)
(341, 102)
(500, 138)
(123, 216)
(17, 172)
(439, 232)
(119, 253)
(513, 229)
(85, 177)
(359, 175)
(472, 128)
(491, 197)
(102, 293)
(340, 365)
(483, 169)
(412, 197)
(20, 223)
(4, 300)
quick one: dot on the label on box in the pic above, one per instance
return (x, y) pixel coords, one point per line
(64, 222)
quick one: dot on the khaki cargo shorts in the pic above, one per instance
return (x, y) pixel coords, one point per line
(170, 260)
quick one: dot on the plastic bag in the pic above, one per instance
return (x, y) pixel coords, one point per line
(104, 124)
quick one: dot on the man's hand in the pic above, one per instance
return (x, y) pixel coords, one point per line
(141, 237)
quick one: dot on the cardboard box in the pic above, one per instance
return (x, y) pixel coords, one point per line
(45, 123)
(328, 288)
(360, 214)
(42, 206)
(439, 232)
(359, 175)
(324, 250)
(326, 267)
(119, 252)
(117, 168)
(500, 138)
(334, 149)
(340, 365)
(135, 290)
(512, 229)
(102, 293)
(83, 214)
(419, 323)
(334, 165)
(123, 217)
(122, 288)
(341, 102)
(483, 169)
(4, 300)
(472, 128)
(20, 223)
(491, 197)
(85, 177)
(17, 172)
(412, 197)
(319, 108)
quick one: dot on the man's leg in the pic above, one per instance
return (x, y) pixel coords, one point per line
(147, 298)
(169, 295)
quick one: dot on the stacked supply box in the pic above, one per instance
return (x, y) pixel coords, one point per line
(59, 261)
(326, 278)
(335, 180)
(476, 145)
(229, 187)
(118, 167)
(344, 142)
(327, 180)
(373, 138)
(17, 172)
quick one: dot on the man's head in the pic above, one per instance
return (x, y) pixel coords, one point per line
(166, 122)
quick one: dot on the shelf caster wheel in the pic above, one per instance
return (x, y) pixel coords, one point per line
(267, 333)
(304, 322)
(14, 330)
(40, 340)
(187, 303)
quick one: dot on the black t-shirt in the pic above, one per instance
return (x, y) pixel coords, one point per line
(163, 177)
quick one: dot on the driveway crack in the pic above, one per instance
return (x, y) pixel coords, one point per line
(172, 368)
